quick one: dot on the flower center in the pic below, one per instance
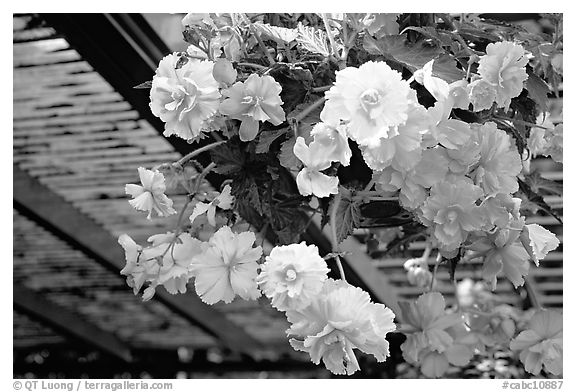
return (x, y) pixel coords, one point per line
(452, 215)
(290, 275)
(250, 100)
(370, 98)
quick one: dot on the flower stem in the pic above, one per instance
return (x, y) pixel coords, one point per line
(194, 153)
(252, 65)
(309, 109)
(320, 89)
(263, 46)
(331, 38)
(520, 122)
(532, 295)
(335, 250)
(438, 259)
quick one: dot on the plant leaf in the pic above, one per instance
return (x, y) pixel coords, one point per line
(280, 35)
(396, 48)
(347, 214)
(266, 138)
(147, 84)
(538, 91)
(313, 40)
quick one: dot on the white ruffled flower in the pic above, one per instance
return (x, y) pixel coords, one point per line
(373, 99)
(402, 148)
(292, 276)
(185, 98)
(504, 67)
(503, 252)
(448, 132)
(340, 319)
(224, 201)
(540, 345)
(414, 184)
(310, 180)
(433, 336)
(252, 101)
(333, 142)
(482, 94)
(499, 162)
(452, 211)
(150, 196)
(228, 267)
(166, 262)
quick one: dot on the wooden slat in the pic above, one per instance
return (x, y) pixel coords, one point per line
(69, 323)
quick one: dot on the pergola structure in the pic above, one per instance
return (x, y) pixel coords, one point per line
(80, 132)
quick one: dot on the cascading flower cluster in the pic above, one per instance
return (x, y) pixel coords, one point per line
(457, 178)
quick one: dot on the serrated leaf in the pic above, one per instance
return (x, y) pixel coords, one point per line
(347, 214)
(534, 198)
(265, 139)
(228, 158)
(538, 91)
(414, 56)
(280, 35)
(313, 40)
(147, 84)
(538, 184)
(444, 38)
(295, 82)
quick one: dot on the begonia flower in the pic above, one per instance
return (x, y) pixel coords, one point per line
(452, 211)
(334, 141)
(150, 195)
(292, 276)
(224, 201)
(310, 180)
(504, 67)
(341, 318)
(254, 100)
(482, 94)
(503, 252)
(540, 345)
(184, 95)
(228, 267)
(401, 148)
(373, 100)
(499, 162)
(425, 323)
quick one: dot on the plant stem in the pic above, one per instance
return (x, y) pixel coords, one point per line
(520, 122)
(532, 295)
(309, 110)
(331, 38)
(320, 89)
(263, 46)
(257, 66)
(438, 259)
(370, 185)
(335, 205)
(194, 153)
(201, 176)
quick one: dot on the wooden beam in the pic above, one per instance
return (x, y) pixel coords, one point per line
(68, 323)
(50, 210)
